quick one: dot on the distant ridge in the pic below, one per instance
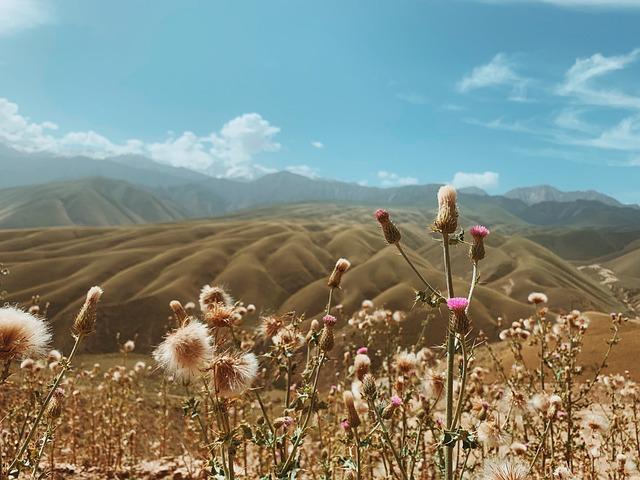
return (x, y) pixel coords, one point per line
(547, 193)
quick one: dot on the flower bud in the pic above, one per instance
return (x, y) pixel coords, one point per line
(326, 340)
(342, 265)
(352, 413)
(447, 218)
(476, 251)
(389, 230)
(369, 388)
(390, 409)
(459, 322)
(85, 321)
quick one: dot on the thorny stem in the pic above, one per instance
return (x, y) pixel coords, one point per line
(36, 464)
(47, 399)
(314, 390)
(451, 351)
(465, 361)
(269, 425)
(427, 284)
(385, 433)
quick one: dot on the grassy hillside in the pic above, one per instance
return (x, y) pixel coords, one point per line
(278, 262)
(95, 202)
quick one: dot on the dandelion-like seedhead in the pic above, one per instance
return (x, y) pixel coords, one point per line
(232, 373)
(211, 295)
(22, 334)
(185, 351)
(537, 298)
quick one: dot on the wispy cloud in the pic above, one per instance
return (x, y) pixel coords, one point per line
(484, 180)
(228, 152)
(413, 98)
(317, 144)
(18, 15)
(579, 79)
(500, 71)
(390, 179)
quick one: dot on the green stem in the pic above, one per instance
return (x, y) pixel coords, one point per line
(385, 433)
(451, 351)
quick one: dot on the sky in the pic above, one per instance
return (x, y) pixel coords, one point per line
(495, 94)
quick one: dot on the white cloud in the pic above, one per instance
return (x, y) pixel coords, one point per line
(579, 78)
(498, 72)
(229, 152)
(317, 144)
(17, 15)
(485, 180)
(304, 170)
(624, 136)
(390, 179)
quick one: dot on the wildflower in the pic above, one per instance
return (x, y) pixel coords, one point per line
(390, 409)
(361, 364)
(211, 295)
(507, 469)
(490, 434)
(537, 298)
(362, 351)
(54, 407)
(459, 320)
(326, 341)
(85, 321)
(251, 308)
(288, 338)
(369, 388)
(479, 233)
(185, 351)
(345, 425)
(518, 448)
(128, 346)
(27, 364)
(342, 265)
(447, 218)
(21, 334)
(405, 362)
(389, 229)
(233, 373)
(54, 356)
(367, 305)
(179, 312)
(352, 413)
(220, 315)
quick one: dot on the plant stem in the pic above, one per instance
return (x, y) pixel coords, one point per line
(427, 284)
(47, 399)
(451, 351)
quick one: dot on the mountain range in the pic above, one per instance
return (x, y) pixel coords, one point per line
(151, 233)
(41, 191)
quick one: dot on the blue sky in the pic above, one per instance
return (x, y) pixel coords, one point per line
(497, 94)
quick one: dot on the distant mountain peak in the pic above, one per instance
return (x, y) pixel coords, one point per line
(547, 193)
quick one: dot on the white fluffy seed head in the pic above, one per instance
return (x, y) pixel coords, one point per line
(22, 334)
(185, 351)
(233, 373)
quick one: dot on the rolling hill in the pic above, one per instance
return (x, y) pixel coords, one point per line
(277, 259)
(94, 202)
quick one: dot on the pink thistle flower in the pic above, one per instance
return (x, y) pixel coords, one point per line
(329, 320)
(396, 401)
(345, 425)
(381, 215)
(457, 304)
(479, 231)
(362, 350)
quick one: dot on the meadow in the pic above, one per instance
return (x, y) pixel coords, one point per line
(348, 388)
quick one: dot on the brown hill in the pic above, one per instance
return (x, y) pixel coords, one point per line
(279, 262)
